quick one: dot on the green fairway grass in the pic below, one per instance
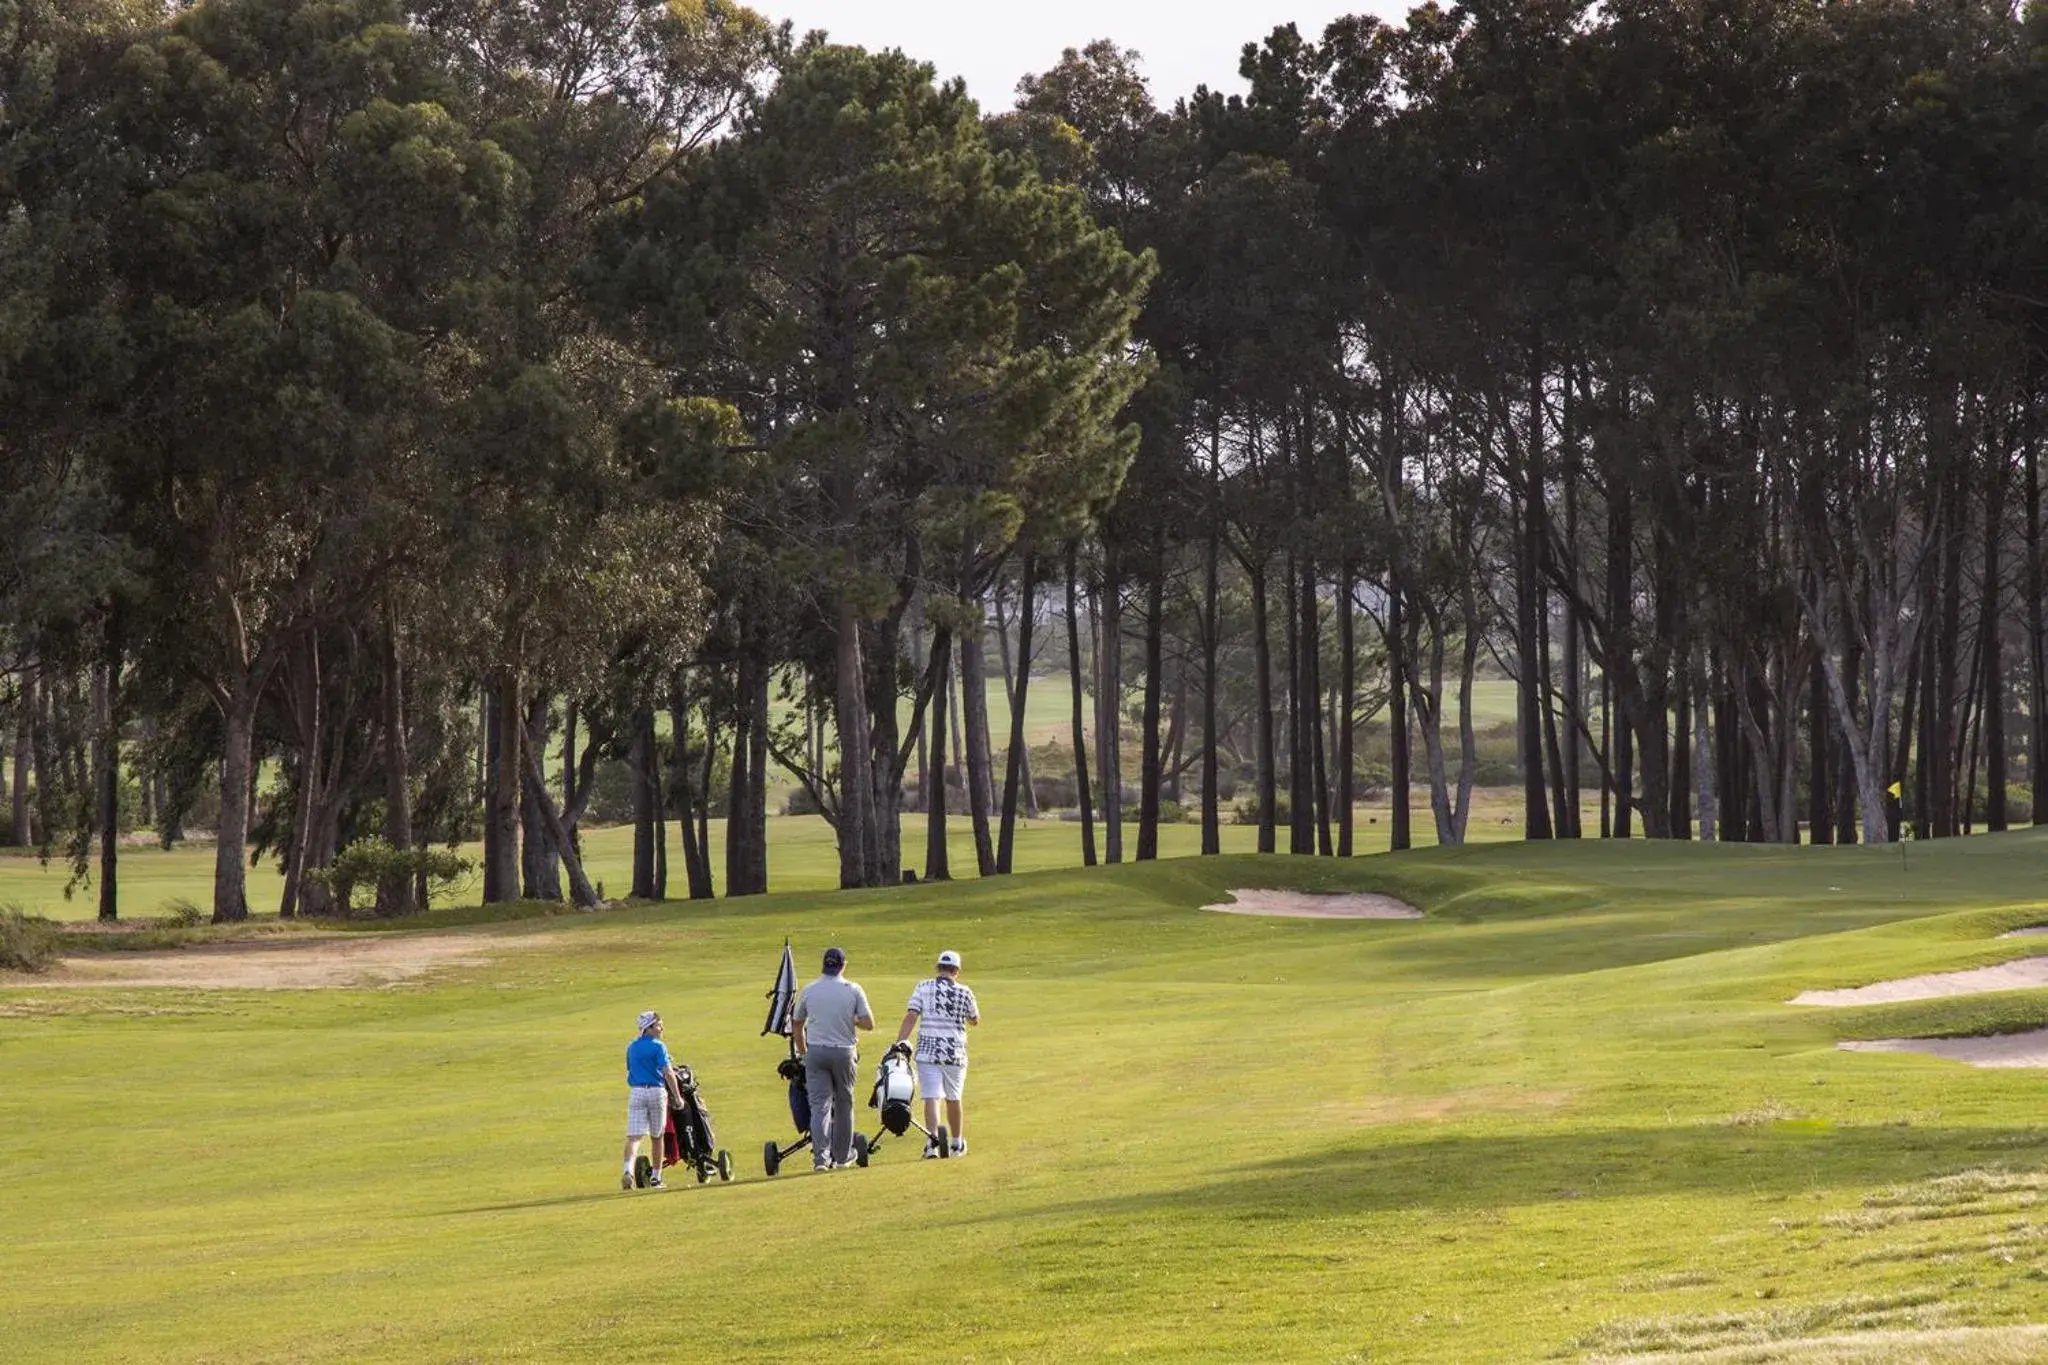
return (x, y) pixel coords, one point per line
(802, 856)
(1569, 1115)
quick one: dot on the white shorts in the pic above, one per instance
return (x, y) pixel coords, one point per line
(646, 1111)
(941, 1082)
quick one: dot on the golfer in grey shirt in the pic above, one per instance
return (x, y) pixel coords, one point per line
(828, 1013)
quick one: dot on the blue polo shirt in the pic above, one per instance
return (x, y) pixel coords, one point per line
(646, 1059)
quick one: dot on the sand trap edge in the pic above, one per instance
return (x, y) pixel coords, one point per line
(1314, 905)
(2029, 1049)
(2022, 973)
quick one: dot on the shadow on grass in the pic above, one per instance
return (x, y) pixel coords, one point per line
(1483, 1171)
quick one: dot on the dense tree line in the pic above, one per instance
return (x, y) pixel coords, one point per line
(420, 413)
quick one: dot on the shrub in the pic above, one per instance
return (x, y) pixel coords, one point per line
(28, 943)
(801, 802)
(1246, 812)
(2019, 804)
(1055, 793)
(366, 862)
(182, 913)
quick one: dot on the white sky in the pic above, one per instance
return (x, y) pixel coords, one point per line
(991, 43)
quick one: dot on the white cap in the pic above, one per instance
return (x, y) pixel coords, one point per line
(647, 1019)
(949, 958)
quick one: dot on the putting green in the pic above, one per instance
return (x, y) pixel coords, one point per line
(1569, 1114)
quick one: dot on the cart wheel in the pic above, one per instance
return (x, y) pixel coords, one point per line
(703, 1171)
(771, 1157)
(643, 1171)
(945, 1143)
(724, 1165)
(860, 1149)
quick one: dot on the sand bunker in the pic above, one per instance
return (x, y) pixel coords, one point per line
(2031, 931)
(2005, 1049)
(323, 962)
(2006, 976)
(1316, 905)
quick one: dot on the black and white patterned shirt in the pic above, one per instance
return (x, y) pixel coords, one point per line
(943, 1008)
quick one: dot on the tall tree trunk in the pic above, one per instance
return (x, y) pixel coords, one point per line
(1212, 818)
(1529, 609)
(1942, 732)
(23, 809)
(918, 664)
(1262, 667)
(1347, 710)
(859, 850)
(754, 819)
(974, 702)
(2037, 633)
(1401, 793)
(1820, 818)
(1155, 653)
(501, 845)
(1211, 647)
(1109, 669)
(395, 893)
(306, 700)
(1703, 747)
(704, 795)
(1680, 819)
(1996, 818)
(1620, 644)
(540, 862)
(938, 866)
(1016, 769)
(1080, 723)
(1846, 786)
(238, 743)
(1561, 813)
(696, 865)
(1574, 626)
(1301, 800)
(640, 767)
(581, 893)
(106, 709)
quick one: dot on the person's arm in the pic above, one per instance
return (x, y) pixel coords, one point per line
(864, 1017)
(909, 1023)
(675, 1086)
(802, 1013)
(796, 1037)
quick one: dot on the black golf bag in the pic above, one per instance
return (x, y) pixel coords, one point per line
(689, 1140)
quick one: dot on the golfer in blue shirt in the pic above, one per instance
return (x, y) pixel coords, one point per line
(651, 1087)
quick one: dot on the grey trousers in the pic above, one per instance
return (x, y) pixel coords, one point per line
(828, 1083)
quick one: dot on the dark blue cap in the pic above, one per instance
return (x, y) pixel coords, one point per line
(835, 959)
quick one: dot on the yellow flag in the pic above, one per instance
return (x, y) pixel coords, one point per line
(1894, 789)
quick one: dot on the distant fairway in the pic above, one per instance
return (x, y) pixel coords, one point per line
(802, 856)
(1570, 1115)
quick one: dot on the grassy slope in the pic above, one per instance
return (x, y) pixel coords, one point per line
(1568, 1114)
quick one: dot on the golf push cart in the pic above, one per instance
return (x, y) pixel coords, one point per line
(894, 1093)
(687, 1138)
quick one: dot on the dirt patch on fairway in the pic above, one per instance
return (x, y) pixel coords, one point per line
(324, 962)
(2003, 1049)
(2031, 931)
(2006, 976)
(1316, 905)
(1956, 1346)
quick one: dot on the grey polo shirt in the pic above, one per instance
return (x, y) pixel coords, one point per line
(828, 1008)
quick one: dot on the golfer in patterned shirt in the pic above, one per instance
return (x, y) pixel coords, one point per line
(942, 1010)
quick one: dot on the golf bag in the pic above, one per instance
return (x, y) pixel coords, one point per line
(895, 1088)
(688, 1139)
